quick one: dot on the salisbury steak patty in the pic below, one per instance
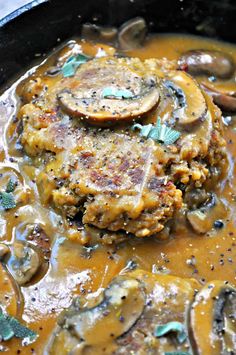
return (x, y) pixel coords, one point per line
(119, 179)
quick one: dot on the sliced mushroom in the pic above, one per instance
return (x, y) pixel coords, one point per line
(125, 317)
(94, 32)
(24, 263)
(62, 342)
(123, 298)
(196, 198)
(132, 33)
(112, 314)
(213, 319)
(225, 100)
(93, 95)
(207, 62)
(4, 250)
(117, 310)
(203, 218)
(190, 105)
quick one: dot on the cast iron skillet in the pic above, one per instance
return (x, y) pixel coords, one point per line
(36, 27)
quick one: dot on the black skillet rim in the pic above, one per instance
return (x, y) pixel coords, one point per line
(37, 26)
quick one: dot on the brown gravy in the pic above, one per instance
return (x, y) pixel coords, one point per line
(76, 270)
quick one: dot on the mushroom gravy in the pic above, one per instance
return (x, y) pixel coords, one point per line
(68, 268)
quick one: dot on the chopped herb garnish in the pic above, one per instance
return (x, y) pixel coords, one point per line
(20, 331)
(177, 353)
(6, 333)
(7, 200)
(159, 133)
(11, 185)
(144, 130)
(10, 327)
(170, 327)
(72, 64)
(113, 93)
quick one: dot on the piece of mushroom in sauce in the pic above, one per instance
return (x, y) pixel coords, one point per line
(92, 32)
(92, 95)
(189, 102)
(24, 263)
(4, 250)
(213, 319)
(116, 311)
(202, 218)
(132, 33)
(226, 100)
(126, 316)
(207, 62)
(216, 65)
(175, 320)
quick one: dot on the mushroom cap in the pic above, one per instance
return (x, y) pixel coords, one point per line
(208, 62)
(109, 90)
(212, 319)
(24, 263)
(190, 105)
(132, 33)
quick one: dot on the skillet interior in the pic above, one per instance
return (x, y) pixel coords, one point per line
(57, 22)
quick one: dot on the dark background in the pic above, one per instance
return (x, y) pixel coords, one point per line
(37, 27)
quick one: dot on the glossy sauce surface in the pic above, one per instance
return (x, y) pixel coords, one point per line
(74, 269)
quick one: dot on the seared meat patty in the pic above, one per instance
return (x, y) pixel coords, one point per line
(118, 179)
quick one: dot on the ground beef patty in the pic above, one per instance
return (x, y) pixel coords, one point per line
(118, 179)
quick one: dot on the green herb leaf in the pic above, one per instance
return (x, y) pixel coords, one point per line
(11, 185)
(10, 327)
(177, 353)
(159, 133)
(113, 93)
(72, 64)
(168, 135)
(145, 131)
(176, 327)
(7, 200)
(20, 331)
(6, 333)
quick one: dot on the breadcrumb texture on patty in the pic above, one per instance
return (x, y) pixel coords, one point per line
(116, 179)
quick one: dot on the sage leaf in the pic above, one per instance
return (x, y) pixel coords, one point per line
(6, 332)
(11, 185)
(20, 331)
(72, 64)
(170, 327)
(7, 200)
(113, 93)
(145, 131)
(159, 132)
(10, 327)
